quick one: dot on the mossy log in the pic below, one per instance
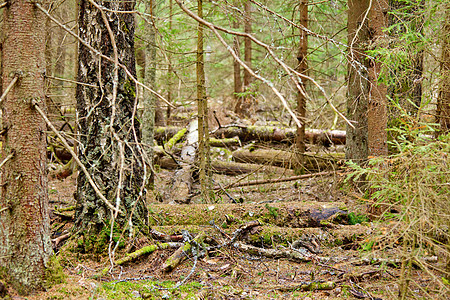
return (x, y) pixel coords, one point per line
(285, 159)
(226, 167)
(265, 133)
(289, 214)
(304, 286)
(178, 256)
(182, 180)
(138, 253)
(269, 235)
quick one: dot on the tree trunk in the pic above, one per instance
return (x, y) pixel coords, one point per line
(244, 104)
(236, 65)
(377, 109)
(443, 107)
(149, 99)
(302, 68)
(203, 157)
(109, 130)
(356, 147)
(25, 246)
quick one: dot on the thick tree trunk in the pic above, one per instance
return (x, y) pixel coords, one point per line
(109, 131)
(377, 109)
(356, 147)
(25, 245)
(443, 107)
(302, 68)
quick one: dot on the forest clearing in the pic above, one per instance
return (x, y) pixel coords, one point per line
(234, 149)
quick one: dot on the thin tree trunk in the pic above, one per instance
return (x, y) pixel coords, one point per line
(301, 68)
(109, 131)
(244, 104)
(203, 131)
(170, 72)
(443, 106)
(356, 147)
(25, 246)
(236, 65)
(149, 99)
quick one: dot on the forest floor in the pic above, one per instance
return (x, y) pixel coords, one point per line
(337, 269)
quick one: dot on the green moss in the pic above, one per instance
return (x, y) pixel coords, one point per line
(53, 272)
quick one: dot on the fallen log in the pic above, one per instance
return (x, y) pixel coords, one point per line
(265, 133)
(227, 168)
(268, 234)
(138, 253)
(289, 214)
(178, 256)
(181, 184)
(285, 159)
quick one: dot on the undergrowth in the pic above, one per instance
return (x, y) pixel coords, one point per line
(411, 190)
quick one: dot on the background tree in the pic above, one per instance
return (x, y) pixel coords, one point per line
(443, 105)
(25, 246)
(356, 147)
(108, 128)
(302, 68)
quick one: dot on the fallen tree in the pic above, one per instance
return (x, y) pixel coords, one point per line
(285, 159)
(263, 133)
(288, 214)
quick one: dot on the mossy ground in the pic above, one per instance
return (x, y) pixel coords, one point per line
(228, 273)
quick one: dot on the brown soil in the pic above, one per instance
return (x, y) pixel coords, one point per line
(229, 273)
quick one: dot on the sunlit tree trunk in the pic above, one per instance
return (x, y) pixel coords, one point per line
(356, 147)
(203, 131)
(377, 109)
(443, 106)
(301, 68)
(109, 132)
(25, 246)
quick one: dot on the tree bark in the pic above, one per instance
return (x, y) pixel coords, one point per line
(302, 68)
(377, 109)
(109, 130)
(236, 65)
(149, 99)
(356, 147)
(443, 107)
(25, 245)
(203, 158)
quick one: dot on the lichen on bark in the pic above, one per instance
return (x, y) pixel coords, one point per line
(109, 131)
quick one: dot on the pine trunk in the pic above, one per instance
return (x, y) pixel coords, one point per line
(25, 246)
(377, 109)
(356, 147)
(109, 131)
(301, 68)
(443, 108)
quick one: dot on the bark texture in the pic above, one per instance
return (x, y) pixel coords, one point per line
(443, 108)
(109, 130)
(302, 68)
(356, 147)
(377, 109)
(25, 245)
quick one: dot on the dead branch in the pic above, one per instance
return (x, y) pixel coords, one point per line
(136, 254)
